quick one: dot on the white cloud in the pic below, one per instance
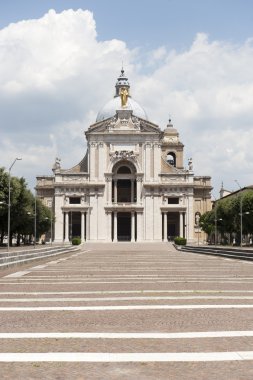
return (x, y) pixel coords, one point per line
(208, 89)
(55, 75)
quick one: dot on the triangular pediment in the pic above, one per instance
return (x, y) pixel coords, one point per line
(124, 121)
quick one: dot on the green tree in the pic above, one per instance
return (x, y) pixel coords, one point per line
(22, 210)
(227, 213)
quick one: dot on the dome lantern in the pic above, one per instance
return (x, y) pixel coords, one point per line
(121, 101)
(122, 82)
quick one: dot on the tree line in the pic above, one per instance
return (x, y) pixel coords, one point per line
(226, 216)
(22, 211)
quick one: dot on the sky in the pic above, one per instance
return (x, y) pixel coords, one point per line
(188, 60)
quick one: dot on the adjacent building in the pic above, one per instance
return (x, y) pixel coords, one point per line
(131, 184)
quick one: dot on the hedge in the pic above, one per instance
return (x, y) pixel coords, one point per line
(76, 240)
(180, 240)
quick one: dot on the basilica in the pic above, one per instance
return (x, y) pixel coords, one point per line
(131, 184)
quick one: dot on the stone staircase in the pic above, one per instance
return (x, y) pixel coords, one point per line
(18, 257)
(229, 252)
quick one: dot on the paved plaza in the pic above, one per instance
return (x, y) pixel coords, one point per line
(127, 311)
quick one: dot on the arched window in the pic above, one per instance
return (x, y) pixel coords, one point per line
(124, 188)
(171, 158)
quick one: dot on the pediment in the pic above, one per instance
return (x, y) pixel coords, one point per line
(124, 121)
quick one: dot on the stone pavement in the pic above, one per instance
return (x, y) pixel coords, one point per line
(127, 311)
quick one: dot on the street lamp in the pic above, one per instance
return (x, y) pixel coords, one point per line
(215, 221)
(240, 210)
(9, 202)
(29, 213)
(216, 230)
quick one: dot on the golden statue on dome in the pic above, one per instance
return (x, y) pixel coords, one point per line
(124, 96)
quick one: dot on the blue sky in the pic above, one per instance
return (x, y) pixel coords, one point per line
(148, 23)
(191, 59)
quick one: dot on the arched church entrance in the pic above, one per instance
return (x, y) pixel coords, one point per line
(123, 196)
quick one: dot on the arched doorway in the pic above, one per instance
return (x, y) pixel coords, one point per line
(124, 194)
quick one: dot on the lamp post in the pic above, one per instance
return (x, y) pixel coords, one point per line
(29, 213)
(215, 222)
(35, 219)
(240, 210)
(216, 229)
(9, 202)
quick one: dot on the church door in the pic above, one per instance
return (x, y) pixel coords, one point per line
(124, 226)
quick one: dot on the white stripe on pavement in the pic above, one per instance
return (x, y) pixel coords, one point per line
(91, 299)
(107, 335)
(126, 357)
(127, 292)
(136, 278)
(126, 308)
(140, 282)
(129, 269)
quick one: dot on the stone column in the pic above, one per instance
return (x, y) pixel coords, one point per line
(184, 221)
(115, 232)
(132, 191)
(138, 189)
(101, 161)
(186, 225)
(109, 226)
(147, 161)
(165, 227)
(88, 225)
(157, 160)
(109, 190)
(190, 218)
(82, 226)
(132, 226)
(181, 224)
(92, 160)
(66, 227)
(115, 192)
(139, 223)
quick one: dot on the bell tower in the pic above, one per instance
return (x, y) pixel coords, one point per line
(172, 148)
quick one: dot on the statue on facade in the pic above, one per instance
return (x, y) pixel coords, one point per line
(112, 123)
(57, 164)
(136, 122)
(190, 164)
(123, 96)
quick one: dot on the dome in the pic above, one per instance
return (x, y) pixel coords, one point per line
(170, 130)
(109, 110)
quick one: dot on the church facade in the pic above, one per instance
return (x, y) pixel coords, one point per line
(131, 184)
